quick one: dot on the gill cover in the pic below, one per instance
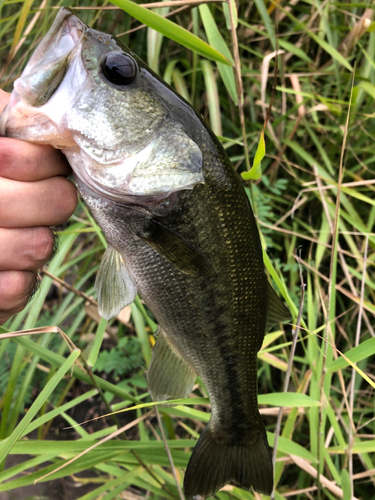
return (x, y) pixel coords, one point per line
(87, 94)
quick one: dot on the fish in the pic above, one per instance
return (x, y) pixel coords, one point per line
(180, 230)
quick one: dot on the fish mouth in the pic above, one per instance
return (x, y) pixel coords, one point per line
(62, 38)
(41, 77)
(74, 26)
(47, 65)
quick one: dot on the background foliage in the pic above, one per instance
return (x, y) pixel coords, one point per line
(313, 197)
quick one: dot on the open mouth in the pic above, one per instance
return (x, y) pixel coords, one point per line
(46, 67)
(63, 36)
(42, 76)
(74, 27)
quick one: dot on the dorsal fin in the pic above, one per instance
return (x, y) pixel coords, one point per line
(276, 311)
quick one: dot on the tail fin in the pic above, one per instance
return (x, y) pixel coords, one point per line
(216, 461)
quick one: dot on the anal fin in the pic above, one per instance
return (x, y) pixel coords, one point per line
(169, 376)
(114, 285)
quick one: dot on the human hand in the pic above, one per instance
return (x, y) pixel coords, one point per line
(34, 194)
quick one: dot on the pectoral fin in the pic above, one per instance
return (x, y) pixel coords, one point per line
(276, 312)
(176, 250)
(114, 285)
(169, 377)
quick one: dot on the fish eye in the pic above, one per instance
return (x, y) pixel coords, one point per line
(119, 68)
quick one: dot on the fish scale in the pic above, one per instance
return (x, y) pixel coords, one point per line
(180, 230)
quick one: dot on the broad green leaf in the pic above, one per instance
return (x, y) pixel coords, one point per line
(57, 360)
(368, 87)
(154, 42)
(331, 51)
(171, 30)
(293, 92)
(345, 484)
(38, 422)
(255, 172)
(83, 463)
(7, 444)
(212, 97)
(231, 4)
(290, 447)
(262, 9)
(22, 21)
(180, 84)
(186, 412)
(98, 339)
(356, 194)
(362, 351)
(123, 480)
(290, 399)
(140, 328)
(325, 46)
(359, 446)
(168, 73)
(24, 466)
(217, 41)
(269, 338)
(289, 47)
(38, 447)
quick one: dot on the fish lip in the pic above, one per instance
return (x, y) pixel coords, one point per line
(62, 41)
(75, 27)
(65, 23)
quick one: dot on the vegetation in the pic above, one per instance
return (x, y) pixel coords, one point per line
(313, 194)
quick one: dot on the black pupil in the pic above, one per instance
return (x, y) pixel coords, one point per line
(119, 69)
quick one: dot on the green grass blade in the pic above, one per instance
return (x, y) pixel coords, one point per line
(217, 41)
(6, 446)
(98, 340)
(212, 97)
(358, 353)
(171, 30)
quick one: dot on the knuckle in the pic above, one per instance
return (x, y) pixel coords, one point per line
(66, 199)
(41, 246)
(5, 189)
(15, 289)
(6, 155)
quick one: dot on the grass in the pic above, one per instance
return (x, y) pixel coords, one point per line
(314, 200)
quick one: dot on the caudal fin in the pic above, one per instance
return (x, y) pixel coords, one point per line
(216, 461)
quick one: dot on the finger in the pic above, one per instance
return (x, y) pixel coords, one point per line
(16, 287)
(41, 203)
(25, 248)
(25, 161)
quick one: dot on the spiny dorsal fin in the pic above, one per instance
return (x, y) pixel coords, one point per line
(174, 248)
(169, 377)
(276, 311)
(114, 285)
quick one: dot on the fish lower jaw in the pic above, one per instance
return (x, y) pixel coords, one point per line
(119, 182)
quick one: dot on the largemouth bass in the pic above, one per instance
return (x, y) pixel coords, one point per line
(180, 230)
